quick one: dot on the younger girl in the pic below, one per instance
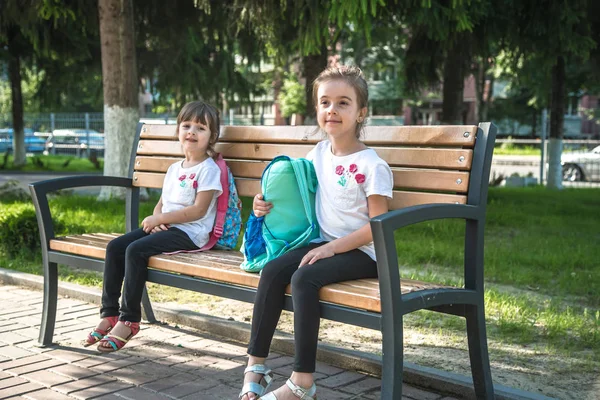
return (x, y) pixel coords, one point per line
(354, 184)
(182, 220)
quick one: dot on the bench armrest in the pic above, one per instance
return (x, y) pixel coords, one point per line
(39, 194)
(383, 227)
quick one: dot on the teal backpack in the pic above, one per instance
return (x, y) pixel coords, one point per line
(291, 185)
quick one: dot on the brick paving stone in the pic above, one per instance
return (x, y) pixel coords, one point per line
(13, 353)
(83, 384)
(73, 371)
(23, 313)
(279, 362)
(344, 378)
(449, 398)
(327, 369)
(187, 388)
(29, 332)
(418, 394)
(195, 363)
(32, 358)
(6, 383)
(4, 322)
(100, 390)
(165, 383)
(46, 378)
(46, 394)
(11, 326)
(82, 313)
(28, 320)
(364, 385)
(77, 326)
(173, 360)
(68, 354)
(13, 338)
(142, 373)
(4, 375)
(117, 364)
(38, 366)
(19, 390)
(12, 311)
(77, 308)
(154, 350)
(137, 393)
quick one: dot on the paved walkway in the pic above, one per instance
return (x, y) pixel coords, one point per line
(162, 362)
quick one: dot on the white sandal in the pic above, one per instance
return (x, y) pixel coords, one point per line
(298, 391)
(257, 387)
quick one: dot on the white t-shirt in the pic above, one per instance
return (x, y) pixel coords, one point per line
(344, 185)
(179, 191)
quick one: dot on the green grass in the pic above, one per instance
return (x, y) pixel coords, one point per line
(52, 163)
(507, 149)
(541, 263)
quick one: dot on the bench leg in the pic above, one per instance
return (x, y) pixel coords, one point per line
(478, 352)
(147, 307)
(50, 302)
(392, 363)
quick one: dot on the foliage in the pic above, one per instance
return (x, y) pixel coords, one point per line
(291, 98)
(19, 229)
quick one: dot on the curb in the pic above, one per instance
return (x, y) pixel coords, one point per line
(424, 377)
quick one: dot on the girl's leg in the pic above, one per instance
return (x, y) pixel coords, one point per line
(136, 266)
(114, 272)
(268, 304)
(270, 295)
(306, 283)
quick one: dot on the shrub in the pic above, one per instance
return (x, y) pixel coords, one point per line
(19, 229)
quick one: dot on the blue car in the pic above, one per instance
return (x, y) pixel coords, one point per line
(33, 144)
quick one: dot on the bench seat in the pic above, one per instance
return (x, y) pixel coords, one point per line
(224, 266)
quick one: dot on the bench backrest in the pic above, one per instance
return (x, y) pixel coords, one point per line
(431, 164)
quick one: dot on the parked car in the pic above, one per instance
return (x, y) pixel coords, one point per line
(581, 166)
(69, 141)
(33, 144)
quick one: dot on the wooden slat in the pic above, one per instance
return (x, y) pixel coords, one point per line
(426, 158)
(148, 179)
(154, 164)
(406, 199)
(420, 179)
(374, 135)
(396, 157)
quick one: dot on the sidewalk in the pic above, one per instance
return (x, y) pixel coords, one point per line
(161, 362)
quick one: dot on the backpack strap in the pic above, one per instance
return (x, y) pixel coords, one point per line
(222, 205)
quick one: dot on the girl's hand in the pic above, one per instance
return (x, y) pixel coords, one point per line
(261, 207)
(161, 227)
(149, 223)
(319, 253)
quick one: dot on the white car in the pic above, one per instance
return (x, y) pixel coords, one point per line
(581, 166)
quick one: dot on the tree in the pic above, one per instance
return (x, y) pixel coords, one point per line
(561, 35)
(120, 87)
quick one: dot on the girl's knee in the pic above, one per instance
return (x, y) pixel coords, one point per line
(303, 278)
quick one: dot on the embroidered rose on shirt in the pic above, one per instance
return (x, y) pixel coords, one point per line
(195, 185)
(182, 177)
(192, 176)
(346, 174)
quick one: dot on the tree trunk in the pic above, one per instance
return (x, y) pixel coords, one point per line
(313, 65)
(557, 117)
(119, 80)
(14, 72)
(454, 81)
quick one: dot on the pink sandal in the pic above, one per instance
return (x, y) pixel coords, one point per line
(117, 342)
(97, 334)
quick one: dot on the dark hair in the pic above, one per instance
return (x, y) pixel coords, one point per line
(204, 113)
(353, 76)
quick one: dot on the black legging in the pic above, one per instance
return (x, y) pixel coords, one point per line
(306, 282)
(126, 264)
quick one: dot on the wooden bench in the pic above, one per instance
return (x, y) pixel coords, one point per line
(439, 172)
